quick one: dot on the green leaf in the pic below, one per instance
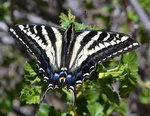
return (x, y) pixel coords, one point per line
(4, 10)
(31, 72)
(144, 99)
(130, 75)
(144, 96)
(91, 95)
(47, 110)
(145, 4)
(31, 95)
(31, 68)
(111, 94)
(132, 16)
(110, 73)
(43, 110)
(110, 70)
(65, 20)
(95, 109)
(131, 61)
(122, 109)
(5, 106)
(126, 86)
(109, 107)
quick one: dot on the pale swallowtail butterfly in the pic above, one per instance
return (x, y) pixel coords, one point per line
(66, 57)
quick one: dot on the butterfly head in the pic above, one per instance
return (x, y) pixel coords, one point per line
(62, 77)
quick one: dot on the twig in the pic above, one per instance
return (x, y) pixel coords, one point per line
(11, 10)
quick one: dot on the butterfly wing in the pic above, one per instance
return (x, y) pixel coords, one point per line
(43, 42)
(92, 47)
(86, 49)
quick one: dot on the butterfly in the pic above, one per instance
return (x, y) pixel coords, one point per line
(67, 57)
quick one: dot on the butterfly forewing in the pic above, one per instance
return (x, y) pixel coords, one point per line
(42, 41)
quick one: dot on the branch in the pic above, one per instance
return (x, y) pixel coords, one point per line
(142, 15)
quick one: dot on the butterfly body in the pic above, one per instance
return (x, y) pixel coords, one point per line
(66, 57)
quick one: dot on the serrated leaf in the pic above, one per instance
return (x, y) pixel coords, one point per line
(130, 59)
(79, 26)
(65, 20)
(31, 95)
(32, 79)
(31, 72)
(71, 17)
(31, 67)
(129, 79)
